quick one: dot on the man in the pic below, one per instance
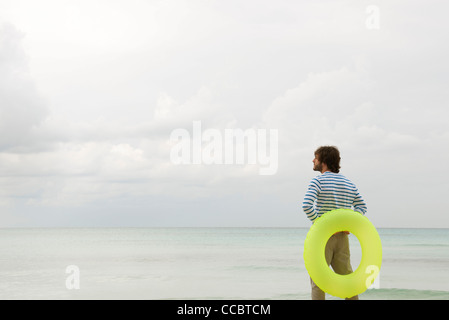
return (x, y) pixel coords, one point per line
(327, 192)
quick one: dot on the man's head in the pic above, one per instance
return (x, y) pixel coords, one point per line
(327, 158)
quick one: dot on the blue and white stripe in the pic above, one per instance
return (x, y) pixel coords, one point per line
(331, 191)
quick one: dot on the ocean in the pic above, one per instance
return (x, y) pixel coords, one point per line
(203, 263)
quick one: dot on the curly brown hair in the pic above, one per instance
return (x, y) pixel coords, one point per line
(330, 156)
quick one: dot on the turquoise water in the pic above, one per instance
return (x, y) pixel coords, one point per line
(203, 263)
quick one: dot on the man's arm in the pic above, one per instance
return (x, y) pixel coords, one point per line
(311, 196)
(359, 204)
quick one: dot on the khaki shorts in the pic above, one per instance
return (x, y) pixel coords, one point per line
(338, 256)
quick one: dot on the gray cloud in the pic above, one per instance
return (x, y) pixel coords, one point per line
(95, 137)
(22, 108)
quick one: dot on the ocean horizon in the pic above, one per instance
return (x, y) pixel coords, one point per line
(221, 263)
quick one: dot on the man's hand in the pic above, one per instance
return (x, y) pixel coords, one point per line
(346, 232)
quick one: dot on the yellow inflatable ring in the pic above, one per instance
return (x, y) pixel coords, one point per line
(343, 286)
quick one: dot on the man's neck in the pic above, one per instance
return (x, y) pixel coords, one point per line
(324, 168)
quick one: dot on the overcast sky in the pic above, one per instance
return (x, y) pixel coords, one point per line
(90, 92)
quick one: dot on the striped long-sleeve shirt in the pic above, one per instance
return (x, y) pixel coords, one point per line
(331, 191)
